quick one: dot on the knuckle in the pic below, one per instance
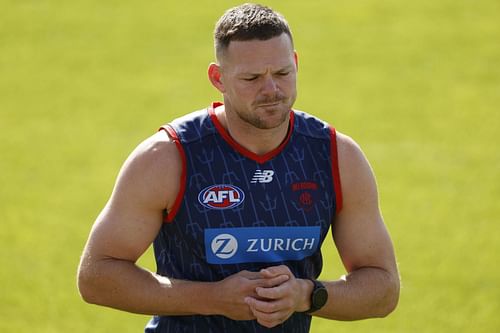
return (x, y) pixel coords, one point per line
(288, 304)
(273, 307)
(284, 267)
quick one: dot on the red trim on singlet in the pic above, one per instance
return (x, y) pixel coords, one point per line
(178, 200)
(242, 150)
(335, 169)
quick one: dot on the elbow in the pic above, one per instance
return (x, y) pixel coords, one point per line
(86, 286)
(84, 289)
(389, 306)
(390, 300)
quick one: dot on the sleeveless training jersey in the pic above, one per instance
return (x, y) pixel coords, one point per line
(240, 211)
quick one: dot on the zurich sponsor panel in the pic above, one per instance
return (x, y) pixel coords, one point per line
(260, 244)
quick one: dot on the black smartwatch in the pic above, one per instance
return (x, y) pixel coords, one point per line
(319, 296)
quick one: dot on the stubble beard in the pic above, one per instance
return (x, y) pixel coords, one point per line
(264, 117)
(262, 121)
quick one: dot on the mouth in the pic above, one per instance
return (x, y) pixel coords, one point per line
(269, 104)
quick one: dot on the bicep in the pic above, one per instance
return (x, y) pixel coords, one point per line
(359, 231)
(133, 215)
(123, 233)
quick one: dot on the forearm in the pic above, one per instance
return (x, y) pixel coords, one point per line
(364, 293)
(125, 286)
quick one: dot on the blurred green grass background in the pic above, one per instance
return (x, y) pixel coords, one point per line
(417, 84)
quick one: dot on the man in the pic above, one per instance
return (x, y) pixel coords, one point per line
(237, 199)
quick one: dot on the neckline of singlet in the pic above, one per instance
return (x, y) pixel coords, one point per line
(242, 150)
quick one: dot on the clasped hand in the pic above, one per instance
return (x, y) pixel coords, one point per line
(269, 296)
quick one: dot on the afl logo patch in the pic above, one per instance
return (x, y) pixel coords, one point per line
(221, 196)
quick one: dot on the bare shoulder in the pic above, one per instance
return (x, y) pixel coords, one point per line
(152, 171)
(356, 174)
(159, 147)
(348, 149)
(156, 150)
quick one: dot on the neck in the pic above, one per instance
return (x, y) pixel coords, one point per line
(258, 141)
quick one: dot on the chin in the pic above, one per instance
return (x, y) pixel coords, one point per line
(274, 120)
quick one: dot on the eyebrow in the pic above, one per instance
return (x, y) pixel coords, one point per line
(282, 69)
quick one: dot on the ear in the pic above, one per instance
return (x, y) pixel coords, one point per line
(296, 58)
(214, 75)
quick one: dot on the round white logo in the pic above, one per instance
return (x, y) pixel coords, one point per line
(224, 246)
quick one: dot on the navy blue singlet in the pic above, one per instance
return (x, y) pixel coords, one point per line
(240, 211)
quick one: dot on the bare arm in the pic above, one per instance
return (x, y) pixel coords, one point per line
(108, 275)
(371, 287)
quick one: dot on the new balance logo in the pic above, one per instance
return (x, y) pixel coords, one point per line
(262, 176)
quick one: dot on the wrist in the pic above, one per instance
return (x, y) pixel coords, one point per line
(318, 297)
(209, 300)
(306, 287)
(216, 302)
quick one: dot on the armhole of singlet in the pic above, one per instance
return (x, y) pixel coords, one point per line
(335, 170)
(169, 216)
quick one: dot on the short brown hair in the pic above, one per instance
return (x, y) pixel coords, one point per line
(247, 22)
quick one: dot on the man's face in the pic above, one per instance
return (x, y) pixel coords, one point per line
(258, 80)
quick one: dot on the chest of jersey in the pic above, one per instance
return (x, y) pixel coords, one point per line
(238, 213)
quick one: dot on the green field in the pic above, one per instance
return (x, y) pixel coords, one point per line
(416, 83)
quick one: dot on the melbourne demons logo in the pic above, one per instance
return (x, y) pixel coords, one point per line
(221, 197)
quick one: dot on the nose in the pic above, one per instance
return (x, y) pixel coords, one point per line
(269, 85)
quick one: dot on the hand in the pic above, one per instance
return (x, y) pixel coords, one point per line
(273, 305)
(235, 289)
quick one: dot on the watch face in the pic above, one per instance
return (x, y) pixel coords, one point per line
(320, 297)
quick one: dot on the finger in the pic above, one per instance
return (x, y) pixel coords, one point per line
(276, 292)
(256, 314)
(264, 306)
(269, 324)
(272, 271)
(251, 275)
(272, 282)
(267, 319)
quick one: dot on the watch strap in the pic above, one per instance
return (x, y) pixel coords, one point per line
(317, 287)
